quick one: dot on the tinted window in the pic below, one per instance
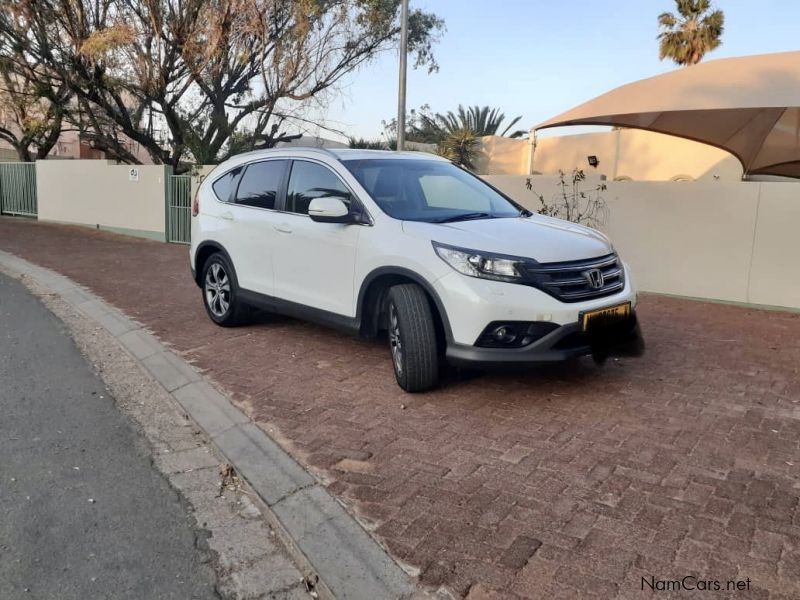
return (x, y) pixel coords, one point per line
(224, 185)
(427, 190)
(260, 183)
(310, 180)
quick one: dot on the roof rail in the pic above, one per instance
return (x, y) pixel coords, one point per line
(317, 148)
(313, 148)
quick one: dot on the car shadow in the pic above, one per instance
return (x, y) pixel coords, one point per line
(575, 373)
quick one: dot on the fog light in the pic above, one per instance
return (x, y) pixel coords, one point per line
(514, 334)
(504, 334)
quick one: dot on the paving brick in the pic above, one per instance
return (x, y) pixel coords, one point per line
(638, 474)
(650, 516)
(579, 525)
(589, 585)
(530, 581)
(767, 546)
(481, 592)
(520, 552)
(696, 493)
(707, 531)
(435, 574)
(741, 525)
(470, 572)
(759, 492)
(693, 555)
(719, 508)
(730, 549)
(516, 454)
(666, 463)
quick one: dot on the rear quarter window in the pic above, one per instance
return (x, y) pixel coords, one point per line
(224, 185)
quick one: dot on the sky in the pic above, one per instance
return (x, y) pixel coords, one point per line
(538, 58)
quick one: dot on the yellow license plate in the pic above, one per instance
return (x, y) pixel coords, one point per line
(605, 316)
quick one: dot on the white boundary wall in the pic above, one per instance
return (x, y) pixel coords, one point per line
(731, 241)
(630, 154)
(102, 194)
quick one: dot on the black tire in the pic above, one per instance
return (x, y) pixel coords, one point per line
(412, 338)
(221, 292)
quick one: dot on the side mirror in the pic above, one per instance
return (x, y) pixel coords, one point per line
(330, 209)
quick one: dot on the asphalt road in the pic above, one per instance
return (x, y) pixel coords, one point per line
(83, 514)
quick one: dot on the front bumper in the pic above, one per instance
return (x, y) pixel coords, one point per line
(472, 303)
(568, 341)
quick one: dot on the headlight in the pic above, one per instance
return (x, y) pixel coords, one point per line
(476, 263)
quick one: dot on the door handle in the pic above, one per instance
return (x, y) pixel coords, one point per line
(228, 216)
(283, 228)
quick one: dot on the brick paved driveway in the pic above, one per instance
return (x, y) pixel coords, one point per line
(564, 482)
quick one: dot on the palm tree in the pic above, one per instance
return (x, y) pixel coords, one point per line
(688, 36)
(461, 147)
(366, 144)
(481, 120)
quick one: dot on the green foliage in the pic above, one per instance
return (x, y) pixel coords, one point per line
(239, 142)
(427, 127)
(366, 144)
(688, 36)
(574, 201)
(424, 29)
(482, 120)
(461, 147)
(419, 127)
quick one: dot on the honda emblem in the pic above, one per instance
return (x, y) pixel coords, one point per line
(595, 278)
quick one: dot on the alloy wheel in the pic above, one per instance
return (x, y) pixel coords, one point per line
(218, 290)
(395, 341)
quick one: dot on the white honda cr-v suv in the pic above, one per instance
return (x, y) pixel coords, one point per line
(409, 244)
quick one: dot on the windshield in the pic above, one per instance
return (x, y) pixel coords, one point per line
(431, 191)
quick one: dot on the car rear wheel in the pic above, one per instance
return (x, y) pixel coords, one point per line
(220, 293)
(412, 338)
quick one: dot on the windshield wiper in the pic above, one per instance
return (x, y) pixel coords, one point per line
(465, 217)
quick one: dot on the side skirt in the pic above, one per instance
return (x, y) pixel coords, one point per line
(350, 325)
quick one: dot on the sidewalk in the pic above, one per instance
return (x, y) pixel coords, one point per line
(566, 482)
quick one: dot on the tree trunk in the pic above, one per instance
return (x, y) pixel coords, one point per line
(23, 152)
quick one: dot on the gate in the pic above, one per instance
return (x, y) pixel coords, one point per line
(18, 189)
(179, 209)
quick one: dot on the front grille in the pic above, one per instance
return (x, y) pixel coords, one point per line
(577, 281)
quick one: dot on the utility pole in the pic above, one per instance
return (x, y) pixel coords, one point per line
(401, 94)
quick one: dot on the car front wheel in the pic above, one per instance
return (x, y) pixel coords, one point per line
(412, 338)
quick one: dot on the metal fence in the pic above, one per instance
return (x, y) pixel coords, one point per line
(18, 189)
(179, 209)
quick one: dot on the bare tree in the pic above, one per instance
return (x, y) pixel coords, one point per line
(32, 115)
(213, 75)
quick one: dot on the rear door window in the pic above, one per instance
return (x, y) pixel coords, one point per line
(260, 184)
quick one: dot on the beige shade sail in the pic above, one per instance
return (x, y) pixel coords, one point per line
(749, 106)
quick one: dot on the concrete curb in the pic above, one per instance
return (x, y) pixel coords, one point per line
(315, 526)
